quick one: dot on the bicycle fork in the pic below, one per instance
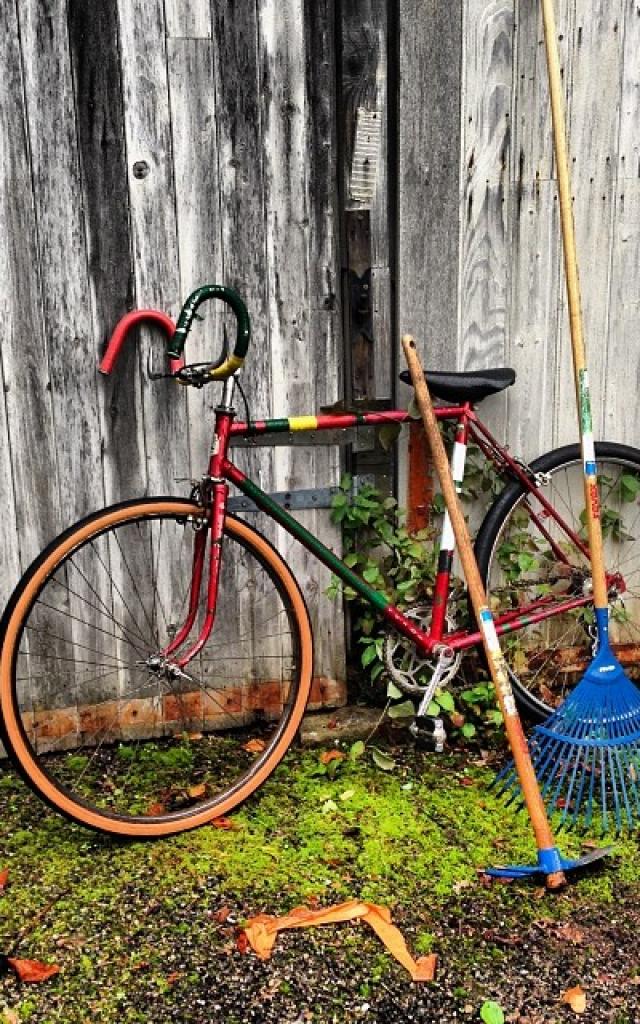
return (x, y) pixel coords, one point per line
(214, 493)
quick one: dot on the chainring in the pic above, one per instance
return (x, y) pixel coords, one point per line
(409, 670)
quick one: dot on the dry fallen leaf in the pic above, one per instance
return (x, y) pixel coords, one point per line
(576, 998)
(10, 1016)
(254, 746)
(242, 942)
(197, 791)
(224, 823)
(173, 977)
(222, 914)
(32, 970)
(155, 810)
(4, 878)
(570, 933)
(331, 755)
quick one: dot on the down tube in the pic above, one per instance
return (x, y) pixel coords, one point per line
(266, 504)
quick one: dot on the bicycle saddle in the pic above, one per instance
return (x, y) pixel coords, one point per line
(470, 386)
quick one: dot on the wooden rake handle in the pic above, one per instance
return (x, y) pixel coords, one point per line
(576, 327)
(497, 666)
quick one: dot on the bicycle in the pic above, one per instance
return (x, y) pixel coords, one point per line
(144, 691)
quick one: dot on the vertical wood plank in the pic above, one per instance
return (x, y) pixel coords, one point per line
(325, 336)
(594, 132)
(94, 46)
(31, 439)
(238, 89)
(484, 263)
(429, 141)
(364, 91)
(190, 19)
(289, 257)
(153, 225)
(622, 378)
(62, 254)
(195, 148)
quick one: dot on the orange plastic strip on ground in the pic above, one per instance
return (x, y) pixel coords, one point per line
(261, 932)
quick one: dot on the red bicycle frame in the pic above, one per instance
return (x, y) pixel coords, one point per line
(214, 492)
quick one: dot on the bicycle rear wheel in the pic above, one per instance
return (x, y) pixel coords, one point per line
(101, 730)
(518, 565)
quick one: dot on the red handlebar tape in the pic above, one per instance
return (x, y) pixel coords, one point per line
(122, 328)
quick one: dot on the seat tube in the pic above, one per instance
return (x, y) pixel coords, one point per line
(447, 539)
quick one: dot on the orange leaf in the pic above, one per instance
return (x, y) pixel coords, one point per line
(242, 942)
(32, 970)
(331, 755)
(155, 810)
(196, 791)
(4, 878)
(254, 746)
(193, 736)
(224, 823)
(576, 998)
(222, 914)
(173, 977)
(426, 967)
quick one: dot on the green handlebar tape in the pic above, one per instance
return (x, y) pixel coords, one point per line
(188, 311)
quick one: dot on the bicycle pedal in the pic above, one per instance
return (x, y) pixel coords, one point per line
(429, 733)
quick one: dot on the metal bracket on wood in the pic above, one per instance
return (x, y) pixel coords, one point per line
(316, 497)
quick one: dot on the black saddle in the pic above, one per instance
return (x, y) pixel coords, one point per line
(471, 386)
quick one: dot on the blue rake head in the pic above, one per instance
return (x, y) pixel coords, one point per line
(549, 863)
(587, 754)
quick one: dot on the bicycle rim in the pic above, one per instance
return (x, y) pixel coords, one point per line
(547, 659)
(94, 725)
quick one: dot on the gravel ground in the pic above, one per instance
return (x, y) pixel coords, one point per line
(149, 932)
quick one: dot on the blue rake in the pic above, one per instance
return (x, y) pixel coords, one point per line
(588, 752)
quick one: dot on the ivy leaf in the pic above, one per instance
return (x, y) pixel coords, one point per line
(446, 702)
(491, 1013)
(629, 487)
(404, 710)
(357, 750)
(388, 434)
(382, 760)
(368, 655)
(393, 691)
(468, 730)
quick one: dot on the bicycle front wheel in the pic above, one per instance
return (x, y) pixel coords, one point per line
(96, 721)
(526, 557)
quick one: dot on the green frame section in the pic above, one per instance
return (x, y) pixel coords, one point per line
(307, 539)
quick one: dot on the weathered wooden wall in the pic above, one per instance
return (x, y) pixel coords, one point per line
(147, 147)
(480, 273)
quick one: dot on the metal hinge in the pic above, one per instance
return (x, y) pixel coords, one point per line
(316, 497)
